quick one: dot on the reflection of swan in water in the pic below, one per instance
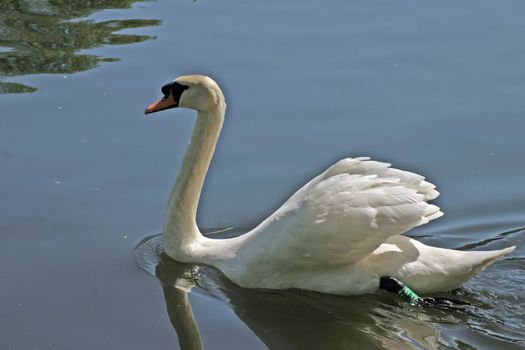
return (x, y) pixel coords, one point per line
(179, 309)
(291, 319)
(295, 319)
(338, 234)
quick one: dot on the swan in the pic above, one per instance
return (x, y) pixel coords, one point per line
(341, 233)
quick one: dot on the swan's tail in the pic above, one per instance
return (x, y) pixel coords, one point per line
(439, 269)
(479, 260)
(471, 263)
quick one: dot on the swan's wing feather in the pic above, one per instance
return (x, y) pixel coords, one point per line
(345, 213)
(365, 166)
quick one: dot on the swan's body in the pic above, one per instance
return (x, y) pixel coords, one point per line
(338, 234)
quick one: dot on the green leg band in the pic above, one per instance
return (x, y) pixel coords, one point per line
(409, 295)
(393, 285)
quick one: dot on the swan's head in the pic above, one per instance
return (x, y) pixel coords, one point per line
(190, 91)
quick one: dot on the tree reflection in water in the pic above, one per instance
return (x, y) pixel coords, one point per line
(45, 36)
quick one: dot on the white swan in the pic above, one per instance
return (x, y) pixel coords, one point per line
(338, 234)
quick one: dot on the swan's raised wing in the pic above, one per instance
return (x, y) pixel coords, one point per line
(344, 214)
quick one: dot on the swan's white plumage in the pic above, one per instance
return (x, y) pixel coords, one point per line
(346, 213)
(338, 234)
(337, 219)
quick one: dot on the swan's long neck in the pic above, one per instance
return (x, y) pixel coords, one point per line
(181, 225)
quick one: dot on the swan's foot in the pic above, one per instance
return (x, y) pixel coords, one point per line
(395, 286)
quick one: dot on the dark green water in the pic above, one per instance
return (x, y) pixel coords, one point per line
(436, 88)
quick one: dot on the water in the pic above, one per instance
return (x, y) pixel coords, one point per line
(433, 88)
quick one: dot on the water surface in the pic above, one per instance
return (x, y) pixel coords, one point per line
(433, 88)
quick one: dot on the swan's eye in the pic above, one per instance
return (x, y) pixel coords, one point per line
(174, 87)
(166, 90)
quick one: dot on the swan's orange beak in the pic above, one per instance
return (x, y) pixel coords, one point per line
(166, 102)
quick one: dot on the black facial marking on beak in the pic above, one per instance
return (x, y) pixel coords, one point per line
(176, 90)
(172, 93)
